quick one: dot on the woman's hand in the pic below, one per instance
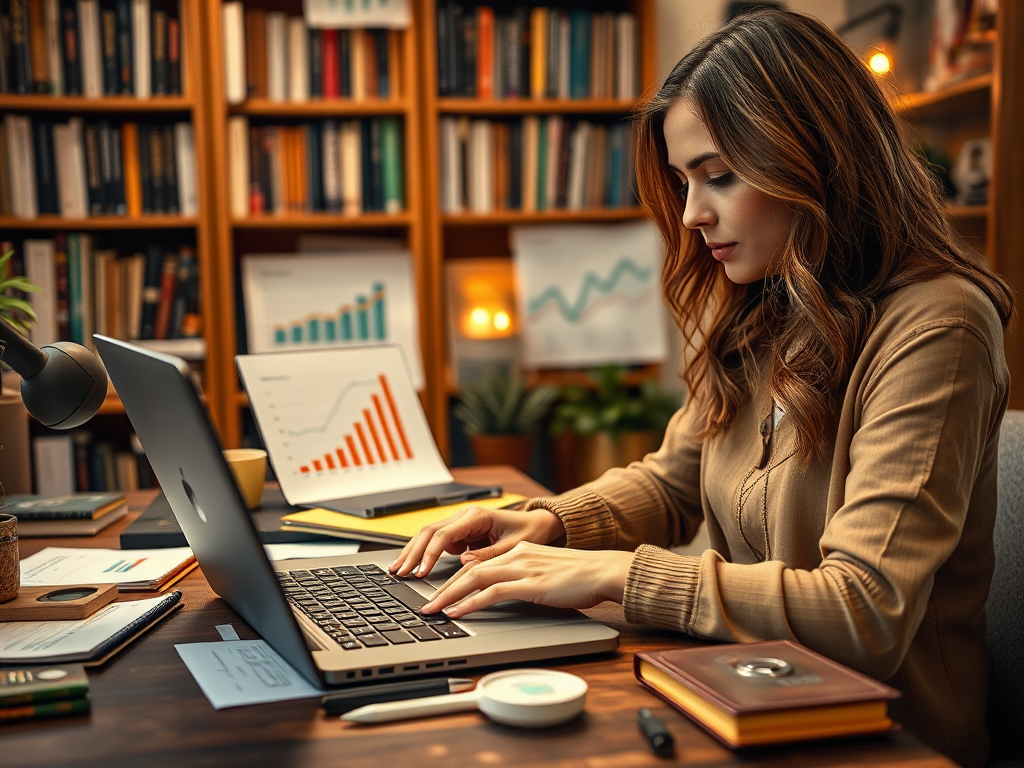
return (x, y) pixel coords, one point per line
(477, 534)
(563, 578)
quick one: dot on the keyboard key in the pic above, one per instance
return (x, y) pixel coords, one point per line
(348, 645)
(424, 634)
(370, 568)
(350, 623)
(372, 641)
(398, 637)
(363, 630)
(379, 619)
(345, 570)
(386, 627)
(411, 623)
(449, 631)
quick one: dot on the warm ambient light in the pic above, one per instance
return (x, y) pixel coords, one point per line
(502, 321)
(879, 63)
(482, 298)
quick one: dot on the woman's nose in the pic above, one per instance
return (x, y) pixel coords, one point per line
(697, 213)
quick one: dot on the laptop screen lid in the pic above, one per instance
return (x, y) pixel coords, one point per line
(165, 409)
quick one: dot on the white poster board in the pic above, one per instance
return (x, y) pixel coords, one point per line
(590, 294)
(323, 300)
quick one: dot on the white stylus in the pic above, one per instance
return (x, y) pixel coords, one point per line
(533, 698)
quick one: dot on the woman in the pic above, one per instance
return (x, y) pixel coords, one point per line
(847, 386)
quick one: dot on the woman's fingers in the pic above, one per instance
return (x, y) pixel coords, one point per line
(449, 535)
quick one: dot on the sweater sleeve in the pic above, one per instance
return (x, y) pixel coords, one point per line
(923, 419)
(657, 499)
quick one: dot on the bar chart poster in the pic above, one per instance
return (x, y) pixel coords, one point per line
(341, 422)
(316, 301)
(590, 294)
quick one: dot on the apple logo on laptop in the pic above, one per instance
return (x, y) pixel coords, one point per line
(191, 496)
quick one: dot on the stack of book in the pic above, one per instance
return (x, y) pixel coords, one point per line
(91, 48)
(43, 691)
(337, 166)
(88, 289)
(537, 52)
(270, 55)
(78, 514)
(95, 167)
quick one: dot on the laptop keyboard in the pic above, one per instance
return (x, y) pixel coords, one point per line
(363, 606)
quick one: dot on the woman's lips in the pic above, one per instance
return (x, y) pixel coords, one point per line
(721, 250)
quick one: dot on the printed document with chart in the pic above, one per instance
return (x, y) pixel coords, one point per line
(345, 431)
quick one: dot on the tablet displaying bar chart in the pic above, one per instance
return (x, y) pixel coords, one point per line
(341, 422)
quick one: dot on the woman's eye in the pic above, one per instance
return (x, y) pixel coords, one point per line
(720, 181)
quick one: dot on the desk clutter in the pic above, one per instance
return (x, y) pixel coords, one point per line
(76, 514)
(55, 690)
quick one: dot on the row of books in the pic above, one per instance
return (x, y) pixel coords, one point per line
(86, 290)
(535, 164)
(91, 48)
(77, 461)
(90, 168)
(554, 53)
(340, 166)
(269, 55)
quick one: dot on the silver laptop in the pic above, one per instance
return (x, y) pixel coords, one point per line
(345, 431)
(337, 620)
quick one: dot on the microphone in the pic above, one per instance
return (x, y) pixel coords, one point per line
(63, 384)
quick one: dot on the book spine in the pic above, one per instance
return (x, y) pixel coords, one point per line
(276, 57)
(168, 281)
(21, 67)
(70, 47)
(314, 160)
(185, 161)
(145, 168)
(346, 71)
(75, 289)
(444, 44)
(159, 78)
(171, 191)
(298, 60)
(108, 48)
(238, 160)
(47, 195)
(55, 65)
(329, 67)
(105, 136)
(157, 171)
(316, 64)
(93, 172)
(39, 62)
(183, 280)
(62, 693)
(151, 291)
(175, 46)
(40, 269)
(485, 52)
(45, 710)
(125, 54)
(392, 165)
(89, 40)
(120, 207)
(235, 52)
(130, 162)
(60, 260)
(141, 48)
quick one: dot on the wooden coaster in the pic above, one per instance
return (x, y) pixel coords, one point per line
(63, 603)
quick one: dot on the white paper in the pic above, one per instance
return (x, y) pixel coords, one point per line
(240, 672)
(330, 14)
(310, 549)
(341, 422)
(285, 291)
(590, 294)
(55, 566)
(44, 639)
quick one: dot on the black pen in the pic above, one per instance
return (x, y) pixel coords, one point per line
(359, 696)
(657, 734)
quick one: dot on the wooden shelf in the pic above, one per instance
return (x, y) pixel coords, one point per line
(533, 106)
(966, 96)
(968, 211)
(43, 103)
(100, 222)
(529, 217)
(325, 221)
(320, 108)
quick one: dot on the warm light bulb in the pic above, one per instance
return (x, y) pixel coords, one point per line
(502, 321)
(879, 63)
(480, 318)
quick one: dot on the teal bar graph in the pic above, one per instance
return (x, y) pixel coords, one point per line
(365, 319)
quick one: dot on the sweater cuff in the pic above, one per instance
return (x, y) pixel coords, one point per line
(661, 588)
(588, 521)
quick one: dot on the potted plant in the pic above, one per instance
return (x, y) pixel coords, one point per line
(14, 431)
(501, 415)
(616, 422)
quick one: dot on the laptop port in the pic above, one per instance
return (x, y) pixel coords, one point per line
(386, 671)
(366, 672)
(456, 662)
(433, 664)
(410, 667)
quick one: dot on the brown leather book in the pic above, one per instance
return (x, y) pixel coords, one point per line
(751, 694)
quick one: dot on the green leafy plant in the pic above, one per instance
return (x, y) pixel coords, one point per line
(13, 308)
(502, 404)
(613, 405)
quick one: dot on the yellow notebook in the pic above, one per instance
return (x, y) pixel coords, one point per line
(390, 529)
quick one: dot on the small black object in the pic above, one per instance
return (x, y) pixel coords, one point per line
(66, 595)
(658, 736)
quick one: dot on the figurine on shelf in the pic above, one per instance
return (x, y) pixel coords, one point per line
(973, 171)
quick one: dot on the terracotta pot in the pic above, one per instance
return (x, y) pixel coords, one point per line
(502, 449)
(599, 453)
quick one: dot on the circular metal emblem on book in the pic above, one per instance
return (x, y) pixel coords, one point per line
(763, 667)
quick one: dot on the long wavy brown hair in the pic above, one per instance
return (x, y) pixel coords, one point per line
(794, 113)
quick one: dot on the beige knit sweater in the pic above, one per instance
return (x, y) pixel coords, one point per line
(878, 556)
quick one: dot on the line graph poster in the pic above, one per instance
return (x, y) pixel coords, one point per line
(341, 422)
(590, 294)
(313, 301)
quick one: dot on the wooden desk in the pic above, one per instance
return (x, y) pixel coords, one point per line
(148, 711)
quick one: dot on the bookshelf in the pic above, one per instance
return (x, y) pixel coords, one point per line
(465, 234)
(132, 232)
(990, 105)
(236, 235)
